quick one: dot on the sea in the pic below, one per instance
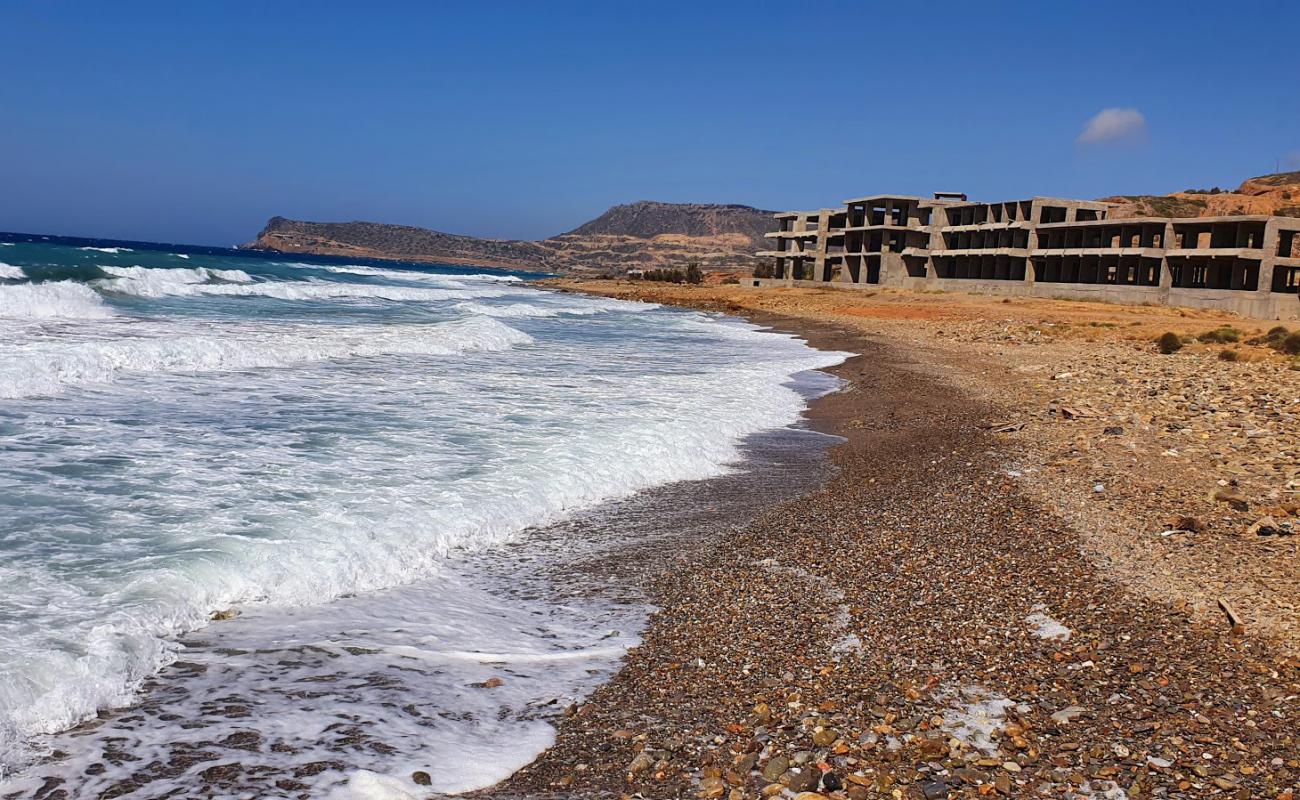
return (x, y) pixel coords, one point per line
(287, 526)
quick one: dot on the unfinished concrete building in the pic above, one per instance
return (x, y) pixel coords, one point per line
(1043, 247)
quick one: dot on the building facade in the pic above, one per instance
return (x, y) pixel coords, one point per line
(1042, 247)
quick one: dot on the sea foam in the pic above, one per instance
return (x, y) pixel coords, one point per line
(44, 369)
(47, 301)
(153, 283)
(294, 461)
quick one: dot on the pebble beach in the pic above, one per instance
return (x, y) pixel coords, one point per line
(982, 598)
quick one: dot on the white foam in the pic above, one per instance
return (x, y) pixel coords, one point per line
(975, 716)
(409, 274)
(152, 283)
(525, 310)
(110, 250)
(51, 368)
(181, 255)
(335, 461)
(10, 272)
(46, 301)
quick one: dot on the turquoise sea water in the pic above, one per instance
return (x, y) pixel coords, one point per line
(307, 441)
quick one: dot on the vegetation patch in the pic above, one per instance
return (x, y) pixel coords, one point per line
(1224, 334)
(1169, 343)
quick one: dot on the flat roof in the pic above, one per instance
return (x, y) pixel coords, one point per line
(871, 197)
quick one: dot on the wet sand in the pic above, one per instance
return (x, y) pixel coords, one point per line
(921, 626)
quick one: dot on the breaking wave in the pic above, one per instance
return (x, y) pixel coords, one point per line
(60, 300)
(10, 272)
(45, 369)
(152, 283)
(525, 310)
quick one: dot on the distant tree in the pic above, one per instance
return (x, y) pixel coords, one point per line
(693, 273)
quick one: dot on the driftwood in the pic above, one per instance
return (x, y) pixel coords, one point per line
(1238, 627)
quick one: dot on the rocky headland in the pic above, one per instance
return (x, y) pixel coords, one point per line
(643, 235)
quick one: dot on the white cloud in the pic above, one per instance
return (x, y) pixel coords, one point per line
(1114, 125)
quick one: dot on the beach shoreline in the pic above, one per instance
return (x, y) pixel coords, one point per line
(933, 621)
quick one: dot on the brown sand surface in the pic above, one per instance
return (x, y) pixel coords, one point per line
(985, 597)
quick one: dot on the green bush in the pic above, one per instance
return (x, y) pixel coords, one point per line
(1291, 344)
(665, 275)
(731, 279)
(1169, 343)
(693, 273)
(1225, 334)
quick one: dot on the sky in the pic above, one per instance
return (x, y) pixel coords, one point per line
(197, 121)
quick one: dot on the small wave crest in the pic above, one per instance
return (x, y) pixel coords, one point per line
(10, 272)
(60, 300)
(523, 310)
(410, 274)
(109, 250)
(152, 283)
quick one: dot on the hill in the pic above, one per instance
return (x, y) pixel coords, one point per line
(645, 235)
(648, 219)
(1277, 194)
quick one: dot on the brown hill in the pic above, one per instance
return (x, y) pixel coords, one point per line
(1277, 194)
(648, 219)
(645, 235)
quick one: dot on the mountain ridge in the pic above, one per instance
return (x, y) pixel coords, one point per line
(646, 234)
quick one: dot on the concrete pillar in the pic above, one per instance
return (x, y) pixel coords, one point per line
(1266, 264)
(1166, 274)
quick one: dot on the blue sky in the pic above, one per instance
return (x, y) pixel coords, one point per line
(197, 121)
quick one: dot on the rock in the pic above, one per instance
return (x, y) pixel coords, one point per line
(972, 776)
(775, 768)
(809, 796)
(831, 782)
(641, 763)
(712, 787)
(221, 616)
(490, 683)
(934, 790)
(824, 737)
(805, 780)
(1114, 430)
(1010, 766)
(1233, 498)
(421, 778)
(1066, 714)
(1267, 526)
(1189, 523)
